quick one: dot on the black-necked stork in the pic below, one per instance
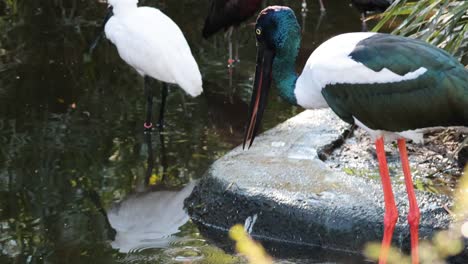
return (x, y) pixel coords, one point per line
(227, 15)
(393, 87)
(365, 6)
(155, 47)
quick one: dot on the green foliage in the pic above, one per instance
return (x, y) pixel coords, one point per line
(443, 23)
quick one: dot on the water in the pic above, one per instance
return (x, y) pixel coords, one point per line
(74, 157)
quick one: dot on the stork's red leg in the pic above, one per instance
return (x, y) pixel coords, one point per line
(391, 211)
(413, 215)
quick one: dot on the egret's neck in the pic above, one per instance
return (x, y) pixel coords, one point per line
(284, 70)
(124, 8)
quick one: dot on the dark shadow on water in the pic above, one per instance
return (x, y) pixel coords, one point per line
(295, 253)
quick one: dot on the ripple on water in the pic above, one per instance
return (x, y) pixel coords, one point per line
(184, 254)
(193, 242)
(179, 249)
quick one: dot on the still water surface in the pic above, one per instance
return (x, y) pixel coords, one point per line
(74, 181)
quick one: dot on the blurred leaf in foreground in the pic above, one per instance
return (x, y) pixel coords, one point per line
(246, 246)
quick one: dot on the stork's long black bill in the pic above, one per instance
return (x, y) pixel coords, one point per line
(261, 87)
(109, 14)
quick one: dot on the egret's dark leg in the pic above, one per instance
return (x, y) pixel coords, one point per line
(391, 211)
(164, 91)
(149, 104)
(413, 215)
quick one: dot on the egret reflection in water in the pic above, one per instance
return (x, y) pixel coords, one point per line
(150, 217)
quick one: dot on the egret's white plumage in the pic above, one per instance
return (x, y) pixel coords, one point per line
(153, 44)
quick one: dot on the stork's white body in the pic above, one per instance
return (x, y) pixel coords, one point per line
(330, 64)
(153, 44)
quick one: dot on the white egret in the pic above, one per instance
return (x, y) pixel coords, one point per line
(155, 47)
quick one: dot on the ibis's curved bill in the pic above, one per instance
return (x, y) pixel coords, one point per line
(262, 83)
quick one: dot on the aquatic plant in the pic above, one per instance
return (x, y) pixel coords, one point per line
(443, 23)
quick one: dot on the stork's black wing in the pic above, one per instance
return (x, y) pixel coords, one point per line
(439, 97)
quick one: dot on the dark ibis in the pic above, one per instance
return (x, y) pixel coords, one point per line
(365, 6)
(151, 43)
(227, 15)
(392, 87)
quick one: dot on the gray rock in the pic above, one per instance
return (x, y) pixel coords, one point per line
(282, 192)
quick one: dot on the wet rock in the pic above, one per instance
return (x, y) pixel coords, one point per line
(297, 199)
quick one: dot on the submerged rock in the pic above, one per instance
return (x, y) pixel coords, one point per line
(285, 195)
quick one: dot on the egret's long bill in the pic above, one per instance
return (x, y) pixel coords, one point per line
(261, 87)
(109, 14)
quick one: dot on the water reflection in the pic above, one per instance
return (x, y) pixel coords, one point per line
(148, 219)
(71, 136)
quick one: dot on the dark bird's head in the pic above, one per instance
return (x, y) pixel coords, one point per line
(278, 39)
(275, 26)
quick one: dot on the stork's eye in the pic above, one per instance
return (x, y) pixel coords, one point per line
(258, 31)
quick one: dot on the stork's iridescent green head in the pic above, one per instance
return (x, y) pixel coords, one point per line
(278, 39)
(277, 28)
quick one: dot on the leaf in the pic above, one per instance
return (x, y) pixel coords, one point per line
(246, 246)
(443, 23)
